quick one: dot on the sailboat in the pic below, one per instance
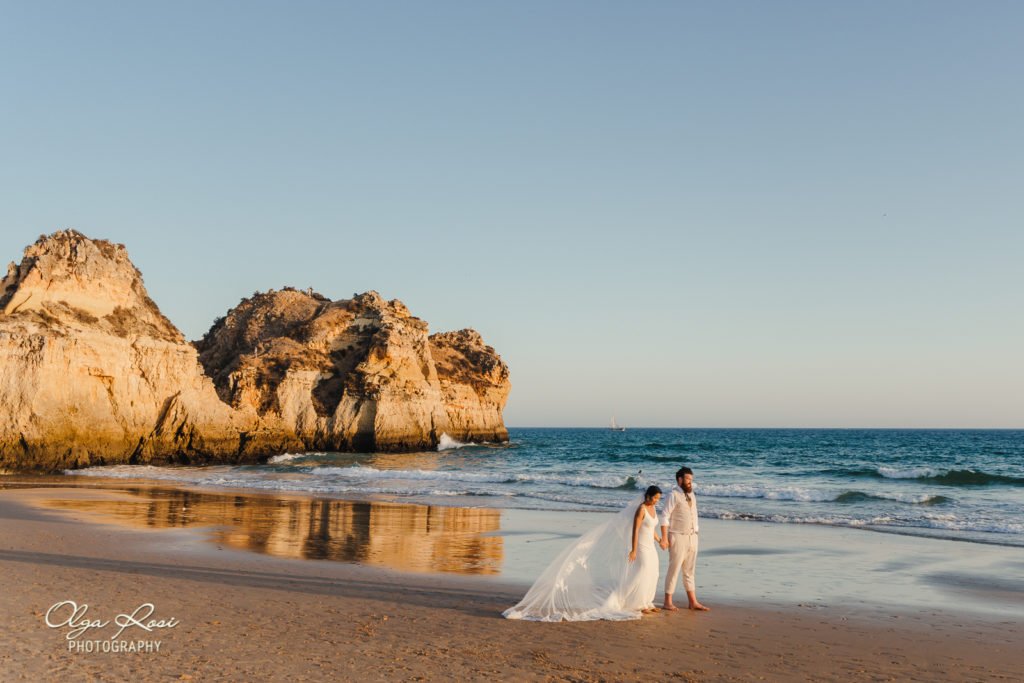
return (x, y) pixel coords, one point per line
(615, 426)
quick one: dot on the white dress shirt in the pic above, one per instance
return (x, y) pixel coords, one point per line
(679, 515)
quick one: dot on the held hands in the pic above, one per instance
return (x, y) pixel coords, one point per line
(663, 542)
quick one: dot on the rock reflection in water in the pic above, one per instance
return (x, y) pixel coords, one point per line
(416, 538)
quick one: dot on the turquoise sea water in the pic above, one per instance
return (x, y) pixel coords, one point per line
(958, 484)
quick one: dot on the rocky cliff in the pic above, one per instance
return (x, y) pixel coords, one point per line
(92, 373)
(474, 385)
(356, 374)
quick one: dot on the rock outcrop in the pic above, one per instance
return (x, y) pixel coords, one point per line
(357, 374)
(474, 385)
(92, 373)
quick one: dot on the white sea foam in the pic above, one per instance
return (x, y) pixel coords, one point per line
(794, 493)
(145, 472)
(908, 473)
(447, 443)
(943, 522)
(225, 478)
(803, 495)
(360, 478)
(286, 457)
(955, 524)
(362, 472)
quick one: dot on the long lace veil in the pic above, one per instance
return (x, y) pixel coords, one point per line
(583, 582)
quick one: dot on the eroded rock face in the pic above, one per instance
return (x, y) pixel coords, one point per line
(92, 373)
(72, 282)
(474, 385)
(357, 374)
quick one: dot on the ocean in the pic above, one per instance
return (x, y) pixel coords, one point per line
(965, 485)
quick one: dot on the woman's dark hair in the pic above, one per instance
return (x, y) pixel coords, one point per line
(651, 492)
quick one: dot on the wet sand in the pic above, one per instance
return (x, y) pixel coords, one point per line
(408, 592)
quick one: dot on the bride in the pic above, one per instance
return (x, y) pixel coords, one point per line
(610, 572)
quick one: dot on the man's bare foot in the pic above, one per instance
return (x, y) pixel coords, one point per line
(669, 607)
(697, 607)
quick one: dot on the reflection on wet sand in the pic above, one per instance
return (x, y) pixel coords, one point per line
(416, 538)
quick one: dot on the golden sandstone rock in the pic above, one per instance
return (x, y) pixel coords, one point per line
(92, 373)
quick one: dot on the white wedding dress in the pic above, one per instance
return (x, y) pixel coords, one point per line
(593, 578)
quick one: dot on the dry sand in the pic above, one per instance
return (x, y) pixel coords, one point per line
(258, 616)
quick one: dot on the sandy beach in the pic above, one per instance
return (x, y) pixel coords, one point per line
(328, 330)
(272, 587)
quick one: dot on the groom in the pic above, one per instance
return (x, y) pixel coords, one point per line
(679, 526)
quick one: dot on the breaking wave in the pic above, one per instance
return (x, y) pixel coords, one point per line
(806, 495)
(965, 477)
(447, 443)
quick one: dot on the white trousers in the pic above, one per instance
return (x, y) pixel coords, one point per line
(682, 556)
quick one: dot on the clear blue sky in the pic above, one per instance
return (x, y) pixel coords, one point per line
(682, 214)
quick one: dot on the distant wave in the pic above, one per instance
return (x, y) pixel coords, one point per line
(229, 478)
(950, 477)
(906, 473)
(794, 493)
(363, 472)
(931, 475)
(144, 472)
(285, 457)
(805, 495)
(945, 523)
(861, 496)
(326, 477)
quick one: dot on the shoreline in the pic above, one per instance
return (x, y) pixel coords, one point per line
(69, 479)
(247, 613)
(817, 479)
(740, 561)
